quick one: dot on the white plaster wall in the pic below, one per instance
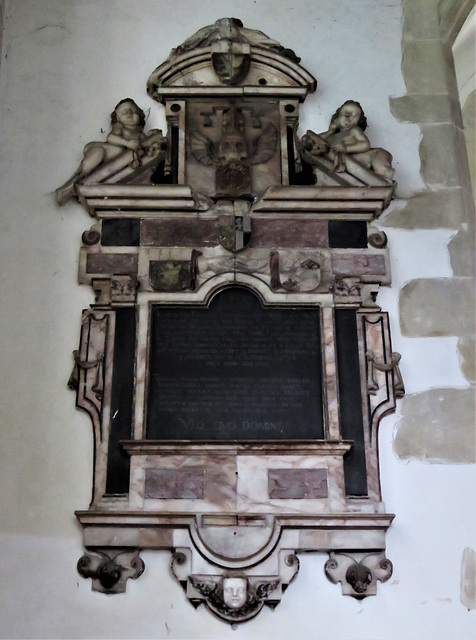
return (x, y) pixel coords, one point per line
(65, 64)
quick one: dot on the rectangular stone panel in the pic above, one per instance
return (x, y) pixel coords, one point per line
(358, 264)
(235, 371)
(170, 232)
(112, 263)
(178, 484)
(288, 233)
(297, 484)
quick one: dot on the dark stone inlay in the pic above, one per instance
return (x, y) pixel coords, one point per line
(177, 484)
(288, 233)
(112, 263)
(235, 371)
(297, 484)
(118, 462)
(350, 405)
(120, 232)
(347, 234)
(171, 232)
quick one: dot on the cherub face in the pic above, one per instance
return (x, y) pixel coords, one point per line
(234, 592)
(349, 116)
(128, 114)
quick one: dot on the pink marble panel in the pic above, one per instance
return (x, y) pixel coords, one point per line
(357, 264)
(112, 263)
(174, 483)
(297, 483)
(288, 233)
(174, 232)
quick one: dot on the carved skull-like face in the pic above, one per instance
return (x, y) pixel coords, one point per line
(235, 591)
(349, 116)
(232, 147)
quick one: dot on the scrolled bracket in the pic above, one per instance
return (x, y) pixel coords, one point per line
(109, 572)
(377, 238)
(358, 573)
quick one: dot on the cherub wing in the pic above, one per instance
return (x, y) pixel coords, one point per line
(264, 145)
(204, 586)
(201, 148)
(264, 588)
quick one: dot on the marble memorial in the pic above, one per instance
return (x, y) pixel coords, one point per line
(235, 363)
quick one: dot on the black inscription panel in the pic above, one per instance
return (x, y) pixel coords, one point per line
(235, 371)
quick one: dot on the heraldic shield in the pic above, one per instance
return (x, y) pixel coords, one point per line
(231, 60)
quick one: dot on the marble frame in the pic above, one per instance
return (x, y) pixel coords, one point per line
(238, 510)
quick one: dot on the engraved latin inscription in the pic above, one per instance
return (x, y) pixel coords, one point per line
(235, 371)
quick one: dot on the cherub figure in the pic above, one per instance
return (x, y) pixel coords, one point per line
(127, 132)
(346, 136)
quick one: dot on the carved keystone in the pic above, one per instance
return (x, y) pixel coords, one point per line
(358, 573)
(109, 573)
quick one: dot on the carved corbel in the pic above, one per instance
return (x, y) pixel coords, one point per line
(115, 290)
(358, 573)
(110, 571)
(347, 289)
(350, 290)
(234, 595)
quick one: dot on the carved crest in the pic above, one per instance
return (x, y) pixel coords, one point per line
(174, 275)
(235, 233)
(231, 60)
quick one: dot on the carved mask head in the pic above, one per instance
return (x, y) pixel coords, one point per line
(235, 592)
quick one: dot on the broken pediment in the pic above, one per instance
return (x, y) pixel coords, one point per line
(226, 53)
(235, 363)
